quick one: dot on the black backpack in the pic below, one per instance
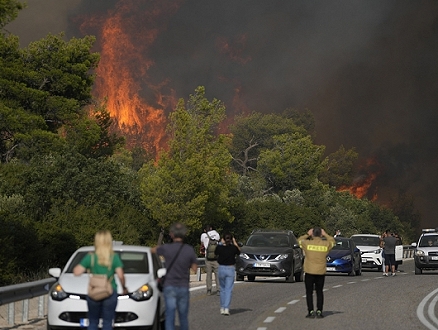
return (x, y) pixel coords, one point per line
(211, 248)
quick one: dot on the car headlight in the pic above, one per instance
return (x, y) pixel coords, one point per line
(282, 256)
(378, 251)
(244, 256)
(143, 293)
(347, 257)
(58, 293)
(420, 253)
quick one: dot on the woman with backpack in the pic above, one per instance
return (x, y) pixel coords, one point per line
(226, 253)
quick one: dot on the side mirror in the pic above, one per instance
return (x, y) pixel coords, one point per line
(414, 244)
(55, 272)
(161, 272)
(240, 244)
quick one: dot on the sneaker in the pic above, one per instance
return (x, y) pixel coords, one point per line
(311, 315)
(385, 274)
(393, 274)
(226, 311)
(208, 292)
(222, 311)
(319, 314)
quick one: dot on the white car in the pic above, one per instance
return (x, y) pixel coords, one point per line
(142, 308)
(371, 253)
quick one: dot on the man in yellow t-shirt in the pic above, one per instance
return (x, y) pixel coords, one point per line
(316, 250)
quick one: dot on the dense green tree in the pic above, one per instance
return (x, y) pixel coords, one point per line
(339, 167)
(9, 11)
(293, 162)
(254, 133)
(191, 182)
(44, 87)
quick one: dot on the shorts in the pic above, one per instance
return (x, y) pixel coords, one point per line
(390, 259)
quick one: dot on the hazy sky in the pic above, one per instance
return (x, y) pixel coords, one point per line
(367, 70)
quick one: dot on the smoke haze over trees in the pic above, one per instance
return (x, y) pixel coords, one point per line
(366, 70)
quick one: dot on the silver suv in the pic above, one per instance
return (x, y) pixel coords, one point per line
(426, 251)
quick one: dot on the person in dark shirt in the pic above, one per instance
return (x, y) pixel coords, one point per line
(389, 249)
(176, 287)
(226, 252)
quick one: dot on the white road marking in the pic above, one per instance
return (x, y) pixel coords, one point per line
(337, 286)
(269, 319)
(280, 310)
(293, 302)
(420, 311)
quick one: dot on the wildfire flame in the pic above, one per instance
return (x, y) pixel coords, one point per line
(122, 73)
(362, 184)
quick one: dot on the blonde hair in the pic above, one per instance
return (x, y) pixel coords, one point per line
(103, 245)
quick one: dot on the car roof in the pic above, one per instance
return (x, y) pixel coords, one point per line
(121, 248)
(365, 235)
(273, 231)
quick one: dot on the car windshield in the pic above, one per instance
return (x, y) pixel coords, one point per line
(273, 240)
(366, 240)
(133, 262)
(431, 240)
(342, 244)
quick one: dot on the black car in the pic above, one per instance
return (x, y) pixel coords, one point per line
(271, 253)
(344, 257)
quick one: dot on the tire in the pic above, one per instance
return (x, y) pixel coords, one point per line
(157, 324)
(359, 271)
(380, 268)
(418, 271)
(353, 272)
(299, 276)
(251, 278)
(240, 277)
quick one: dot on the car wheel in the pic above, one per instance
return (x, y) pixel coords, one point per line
(380, 268)
(240, 277)
(299, 276)
(251, 278)
(352, 273)
(359, 271)
(418, 271)
(157, 324)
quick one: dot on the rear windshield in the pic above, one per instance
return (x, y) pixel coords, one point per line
(342, 244)
(431, 240)
(133, 262)
(366, 240)
(274, 240)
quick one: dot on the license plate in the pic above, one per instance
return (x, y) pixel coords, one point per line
(434, 258)
(364, 261)
(262, 264)
(331, 269)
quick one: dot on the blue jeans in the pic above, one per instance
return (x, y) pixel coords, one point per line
(176, 298)
(226, 281)
(105, 309)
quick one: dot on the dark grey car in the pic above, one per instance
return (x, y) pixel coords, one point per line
(271, 253)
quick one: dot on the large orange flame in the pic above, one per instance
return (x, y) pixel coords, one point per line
(122, 73)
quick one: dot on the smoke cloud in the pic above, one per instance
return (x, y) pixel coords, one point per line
(366, 70)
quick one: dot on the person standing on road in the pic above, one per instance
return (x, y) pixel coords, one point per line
(103, 262)
(227, 251)
(316, 250)
(211, 237)
(389, 248)
(176, 287)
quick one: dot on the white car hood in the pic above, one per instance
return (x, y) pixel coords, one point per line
(79, 284)
(363, 248)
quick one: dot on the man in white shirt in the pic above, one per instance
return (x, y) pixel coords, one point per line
(211, 264)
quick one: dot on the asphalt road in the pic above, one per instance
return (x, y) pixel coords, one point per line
(370, 301)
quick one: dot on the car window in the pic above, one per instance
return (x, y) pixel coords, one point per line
(342, 245)
(366, 240)
(133, 262)
(271, 240)
(430, 240)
